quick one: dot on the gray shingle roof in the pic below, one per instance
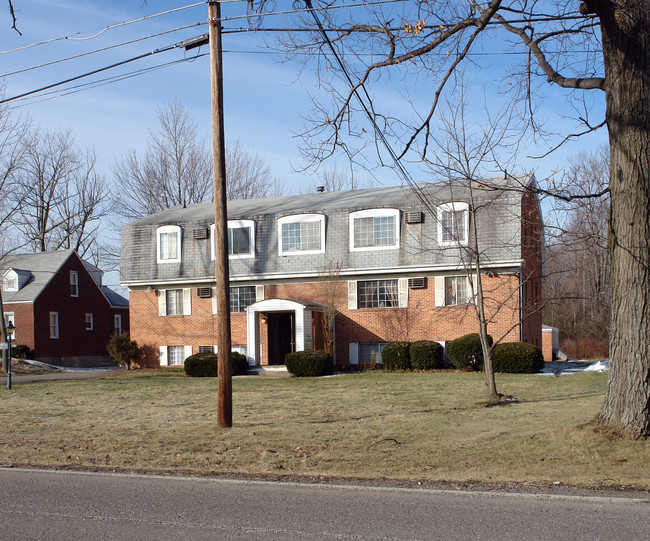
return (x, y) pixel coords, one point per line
(43, 266)
(324, 202)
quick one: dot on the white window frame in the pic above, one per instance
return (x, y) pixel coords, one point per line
(186, 294)
(10, 281)
(375, 213)
(441, 290)
(90, 321)
(117, 323)
(167, 229)
(10, 318)
(236, 224)
(302, 218)
(74, 283)
(165, 355)
(54, 325)
(453, 207)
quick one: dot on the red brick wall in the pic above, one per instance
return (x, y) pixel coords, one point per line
(422, 320)
(24, 322)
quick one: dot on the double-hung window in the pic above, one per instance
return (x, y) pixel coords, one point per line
(168, 244)
(374, 229)
(301, 234)
(241, 239)
(54, 325)
(174, 302)
(454, 290)
(453, 224)
(90, 321)
(378, 294)
(74, 284)
(241, 298)
(117, 323)
(175, 355)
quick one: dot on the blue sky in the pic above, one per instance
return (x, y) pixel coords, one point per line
(264, 99)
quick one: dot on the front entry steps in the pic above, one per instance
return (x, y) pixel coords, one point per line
(269, 371)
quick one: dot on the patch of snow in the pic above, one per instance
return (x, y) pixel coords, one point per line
(598, 366)
(573, 367)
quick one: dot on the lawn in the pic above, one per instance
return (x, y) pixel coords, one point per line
(420, 426)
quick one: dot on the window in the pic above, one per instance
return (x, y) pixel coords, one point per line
(378, 294)
(174, 302)
(54, 325)
(168, 244)
(90, 323)
(456, 291)
(9, 318)
(301, 233)
(241, 298)
(453, 221)
(10, 281)
(117, 323)
(74, 284)
(371, 353)
(241, 239)
(176, 355)
(375, 229)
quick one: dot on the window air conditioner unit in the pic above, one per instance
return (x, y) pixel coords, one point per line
(204, 292)
(200, 233)
(417, 283)
(414, 217)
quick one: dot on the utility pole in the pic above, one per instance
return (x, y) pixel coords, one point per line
(224, 379)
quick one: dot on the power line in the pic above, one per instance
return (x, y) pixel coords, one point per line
(102, 30)
(93, 72)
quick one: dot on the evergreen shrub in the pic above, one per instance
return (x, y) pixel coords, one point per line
(21, 351)
(466, 352)
(310, 363)
(205, 365)
(426, 355)
(395, 356)
(517, 358)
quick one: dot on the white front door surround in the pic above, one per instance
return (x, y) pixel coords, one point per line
(303, 328)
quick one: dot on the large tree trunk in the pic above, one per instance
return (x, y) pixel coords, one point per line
(626, 49)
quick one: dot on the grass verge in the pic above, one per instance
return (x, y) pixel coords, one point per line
(424, 426)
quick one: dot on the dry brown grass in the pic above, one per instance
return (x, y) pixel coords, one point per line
(373, 425)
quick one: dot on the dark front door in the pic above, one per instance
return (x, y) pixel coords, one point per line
(281, 336)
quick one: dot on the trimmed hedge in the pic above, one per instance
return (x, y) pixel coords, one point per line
(466, 352)
(395, 356)
(310, 363)
(426, 355)
(204, 365)
(517, 358)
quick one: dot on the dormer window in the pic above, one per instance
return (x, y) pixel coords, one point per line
(301, 234)
(168, 245)
(241, 239)
(374, 229)
(453, 224)
(10, 281)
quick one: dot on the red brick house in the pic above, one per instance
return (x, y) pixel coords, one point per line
(60, 308)
(392, 262)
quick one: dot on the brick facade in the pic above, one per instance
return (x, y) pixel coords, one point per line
(509, 236)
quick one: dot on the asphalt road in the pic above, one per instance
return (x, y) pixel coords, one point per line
(38, 505)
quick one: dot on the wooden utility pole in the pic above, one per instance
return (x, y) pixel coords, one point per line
(224, 403)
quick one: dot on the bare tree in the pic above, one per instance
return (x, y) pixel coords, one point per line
(594, 46)
(176, 169)
(578, 268)
(334, 179)
(58, 195)
(248, 175)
